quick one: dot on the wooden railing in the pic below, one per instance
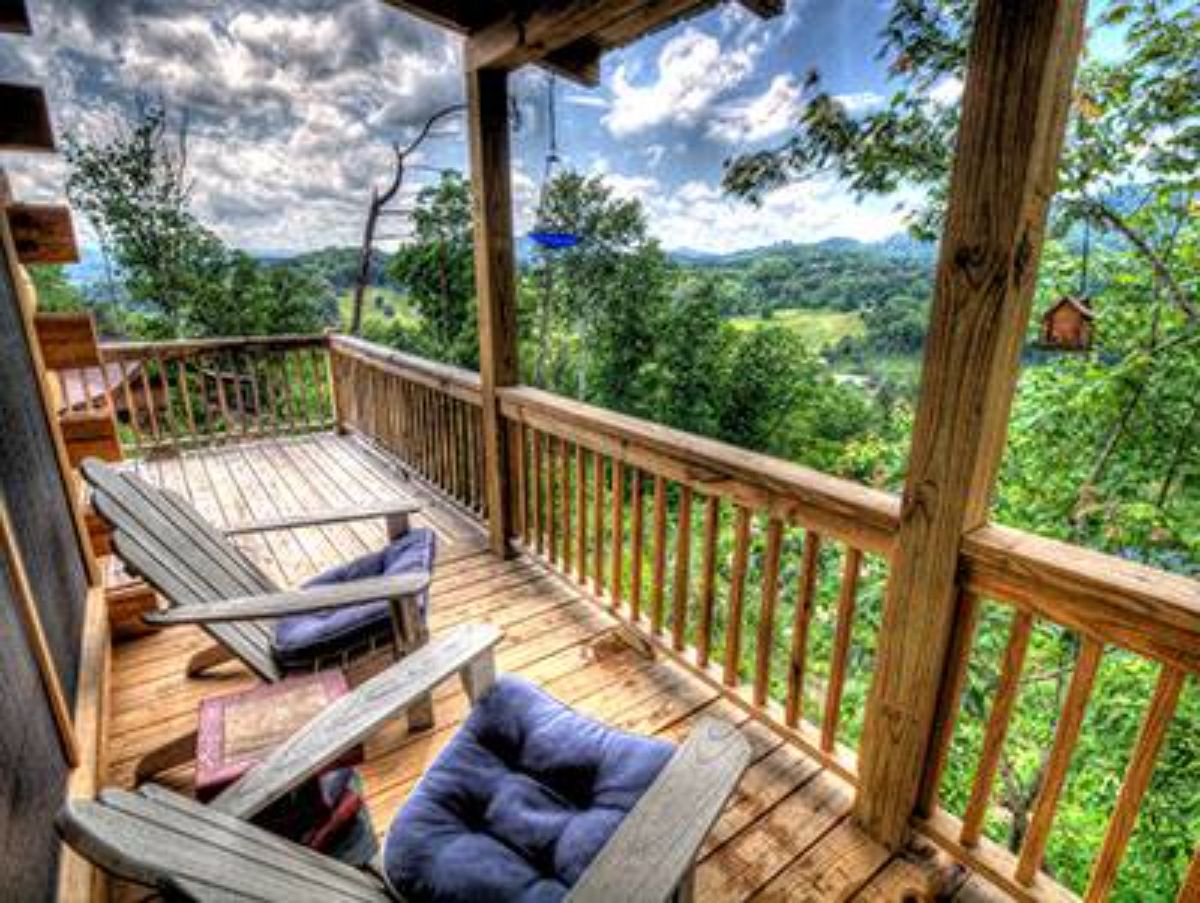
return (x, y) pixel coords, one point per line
(426, 414)
(183, 393)
(766, 578)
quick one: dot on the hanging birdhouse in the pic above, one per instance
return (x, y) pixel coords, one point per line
(1067, 325)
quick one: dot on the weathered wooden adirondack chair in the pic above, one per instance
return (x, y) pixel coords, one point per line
(208, 581)
(211, 853)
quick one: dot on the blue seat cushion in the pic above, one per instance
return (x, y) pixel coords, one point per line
(518, 803)
(301, 639)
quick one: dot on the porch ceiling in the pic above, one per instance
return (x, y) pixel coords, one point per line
(567, 37)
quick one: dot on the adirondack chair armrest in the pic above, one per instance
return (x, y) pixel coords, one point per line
(652, 854)
(466, 651)
(296, 601)
(394, 508)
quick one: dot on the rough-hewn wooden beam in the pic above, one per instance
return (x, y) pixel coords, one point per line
(14, 17)
(458, 15)
(42, 233)
(1021, 67)
(515, 39)
(495, 281)
(25, 122)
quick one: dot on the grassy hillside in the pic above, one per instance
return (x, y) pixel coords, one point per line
(382, 304)
(818, 328)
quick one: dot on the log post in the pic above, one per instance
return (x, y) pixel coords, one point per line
(1015, 102)
(495, 281)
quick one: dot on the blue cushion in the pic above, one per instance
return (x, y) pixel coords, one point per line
(518, 803)
(301, 639)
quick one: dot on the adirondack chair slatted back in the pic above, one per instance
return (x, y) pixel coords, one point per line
(157, 838)
(165, 540)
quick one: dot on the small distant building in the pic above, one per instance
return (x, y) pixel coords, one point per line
(1067, 325)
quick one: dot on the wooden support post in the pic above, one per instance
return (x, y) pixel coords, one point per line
(1021, 68)
(495, 280)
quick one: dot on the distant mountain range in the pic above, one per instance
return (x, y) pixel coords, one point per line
(339, 263)
(895, 246)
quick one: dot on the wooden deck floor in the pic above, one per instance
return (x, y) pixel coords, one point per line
(787, 835)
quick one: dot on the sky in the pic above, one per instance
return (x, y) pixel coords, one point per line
(293, 106)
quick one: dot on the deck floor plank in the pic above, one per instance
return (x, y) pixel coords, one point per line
(785, 835)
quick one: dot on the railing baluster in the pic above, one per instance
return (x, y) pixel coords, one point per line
(617, 546)
(564, 501)
(737, 592)
(683, 568)
(538, 533)
(660, 554)
(598, 524)
(839, 661)
(580, 514)
(997, 727)
(1069, 722)
(148, 394)
(636, 530)
(957, 658)
(1137, 778)
(520, 466)
(164, 378)
(551, 495)
(708, 580)
(130, 405)
(185, 395)
(765, 642)
(1190, 891)
(805, 602)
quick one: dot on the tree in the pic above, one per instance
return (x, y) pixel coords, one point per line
(595, 307)
(176, 277)
(380, 200)
(437, 268)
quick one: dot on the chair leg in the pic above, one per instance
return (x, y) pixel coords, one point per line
(396, 526)
(409, 634)
(175, 752)
(210, 657)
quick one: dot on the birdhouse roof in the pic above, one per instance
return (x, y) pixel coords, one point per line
(1079, 304)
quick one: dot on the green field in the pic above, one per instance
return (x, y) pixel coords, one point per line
(400, 308)
(818, 328)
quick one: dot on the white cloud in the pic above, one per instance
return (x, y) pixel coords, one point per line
(699, 216)
(947, 92)
(758, 118)
(860, 101)
(291, 114)
(693, 73)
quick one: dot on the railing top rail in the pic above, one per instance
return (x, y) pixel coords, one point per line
(864, 517)
(462, 383)
(1131, 605)
(173, 347)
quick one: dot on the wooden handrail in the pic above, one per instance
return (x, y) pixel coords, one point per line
(197, 391)
(130, 351)
(454, 381)
(1127, 604)
(858, 515)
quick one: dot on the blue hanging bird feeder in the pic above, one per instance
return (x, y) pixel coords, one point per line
(555, 241)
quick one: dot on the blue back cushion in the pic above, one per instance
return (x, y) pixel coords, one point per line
(518, 803)
(301, 639)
